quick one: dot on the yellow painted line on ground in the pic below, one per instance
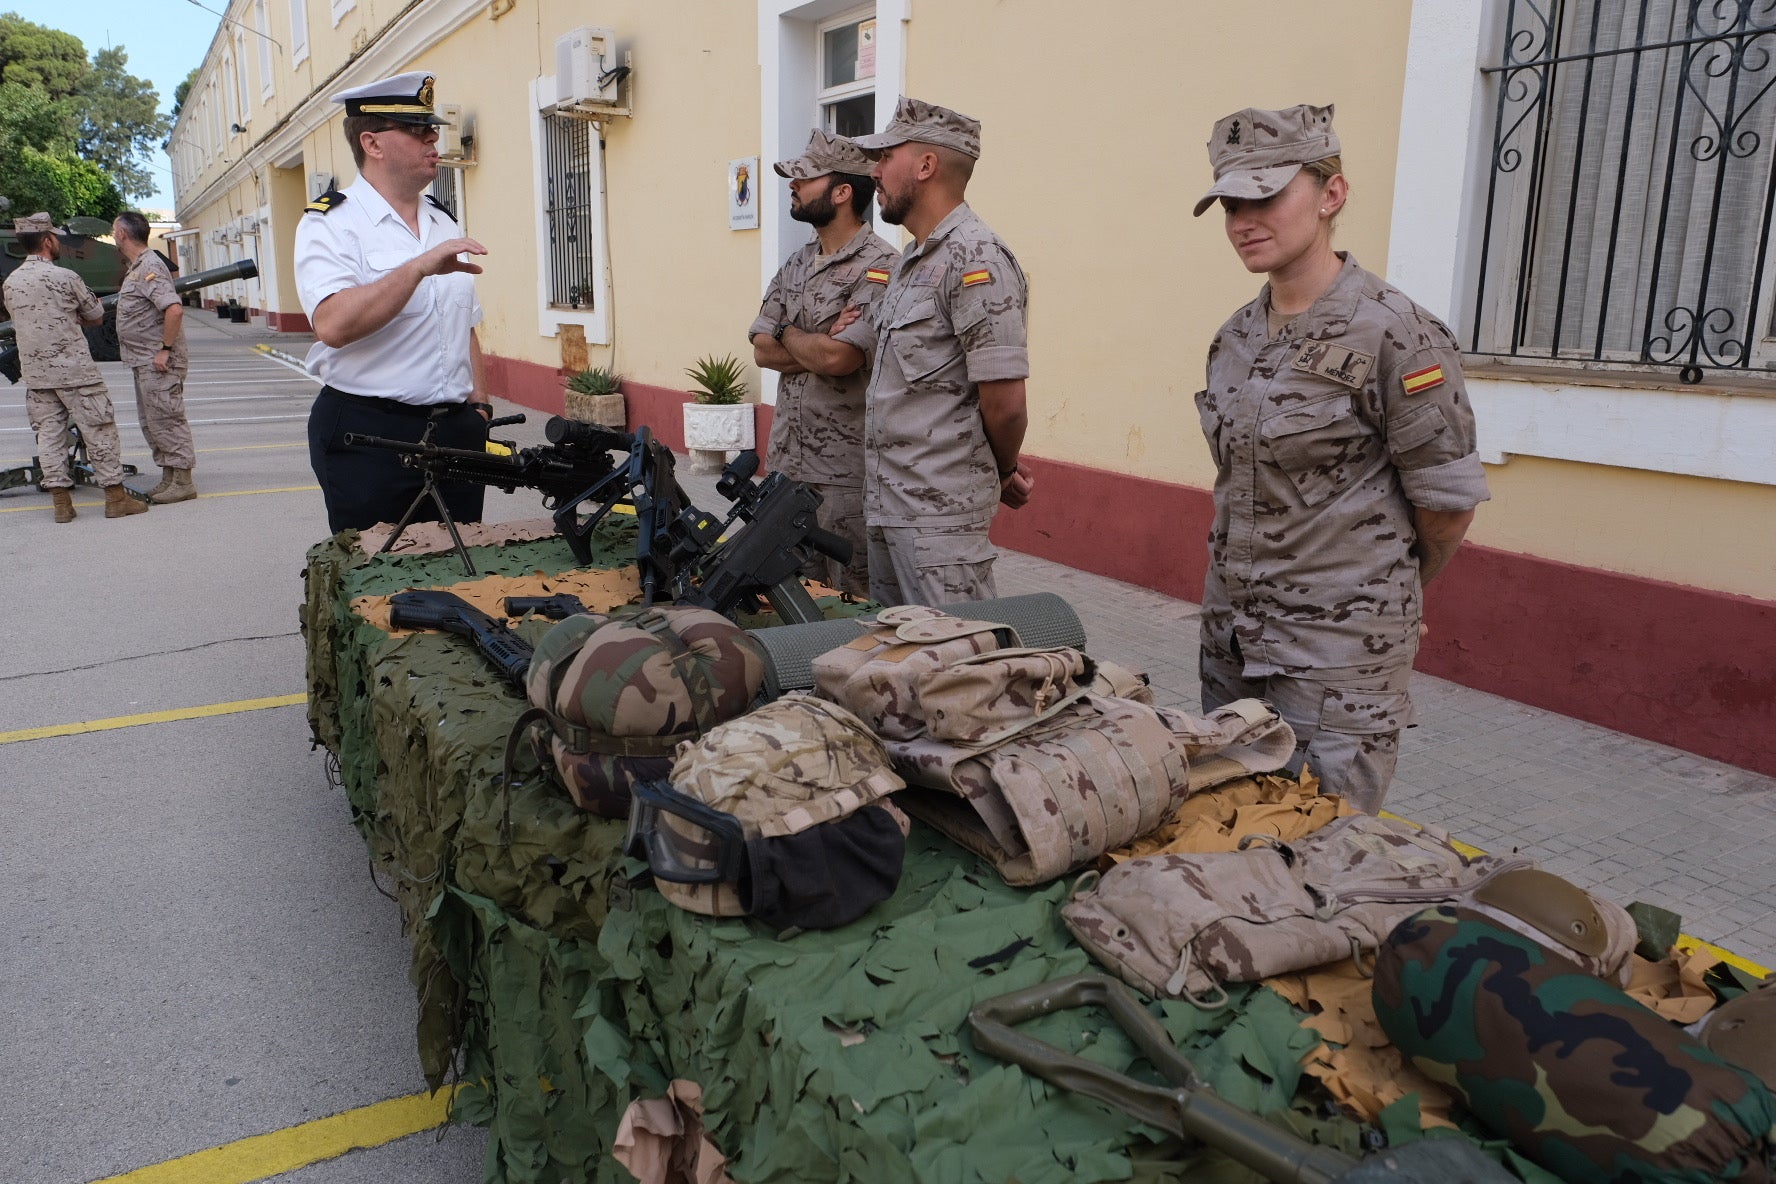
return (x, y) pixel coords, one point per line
(201, 496)
(151, 717)
(1684, 942)
(263, 1156)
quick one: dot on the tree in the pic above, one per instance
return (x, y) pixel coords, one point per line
(48, 59)
(63, 184)
(183, 91)
(120, 122)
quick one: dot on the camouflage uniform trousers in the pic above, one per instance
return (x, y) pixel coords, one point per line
(931, 565)
(160, 409)
(1347, 726)
(841, 512)
(50, 409)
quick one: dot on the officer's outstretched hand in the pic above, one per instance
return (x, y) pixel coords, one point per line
(442, 259)
(1016, 486)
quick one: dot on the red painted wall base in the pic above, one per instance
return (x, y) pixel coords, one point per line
(1683, 666)
(288, 322)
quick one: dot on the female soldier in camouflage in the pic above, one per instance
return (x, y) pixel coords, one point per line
(1346, 474)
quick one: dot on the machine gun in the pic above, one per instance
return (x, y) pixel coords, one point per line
(244, 269)
(562, 470)
(766, 557)
(1187, 1107)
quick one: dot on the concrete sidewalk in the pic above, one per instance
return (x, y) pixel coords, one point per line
(1631, 818)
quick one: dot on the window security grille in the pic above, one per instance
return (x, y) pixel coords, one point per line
(569, 207)
(1630, 188)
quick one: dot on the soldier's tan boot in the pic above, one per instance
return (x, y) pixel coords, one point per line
(166, 479)
(177, 489)
(64, 504)
(119, 503)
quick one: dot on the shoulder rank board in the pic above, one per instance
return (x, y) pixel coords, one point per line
(1328, 359)
(326, 203)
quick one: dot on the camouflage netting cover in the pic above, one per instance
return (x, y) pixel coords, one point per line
(564, 992)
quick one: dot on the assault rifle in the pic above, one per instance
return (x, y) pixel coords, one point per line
(766, 557)
(563, 470)
(446, 612)
(1187, 1107)
(558, 607)
(244, 269)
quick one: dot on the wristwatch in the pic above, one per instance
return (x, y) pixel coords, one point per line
(777, 333)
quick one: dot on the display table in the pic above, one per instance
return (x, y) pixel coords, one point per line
(570, 988)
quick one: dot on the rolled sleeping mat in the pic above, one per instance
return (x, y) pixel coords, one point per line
(1041, 619)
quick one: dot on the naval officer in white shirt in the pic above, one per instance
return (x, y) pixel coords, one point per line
(383, 273)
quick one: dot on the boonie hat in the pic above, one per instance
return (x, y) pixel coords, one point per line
(1256, 152)
(33, 224)
(927, 123)
(405, 98)
(825, 153)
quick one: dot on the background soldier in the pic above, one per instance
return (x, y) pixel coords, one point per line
(817, 428)
(945, 413)
(48, 305)
(151, 338)
(394, 309)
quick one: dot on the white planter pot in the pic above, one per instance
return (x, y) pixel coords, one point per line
(711, 427)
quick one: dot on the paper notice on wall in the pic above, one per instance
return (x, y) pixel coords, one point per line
(866, 50)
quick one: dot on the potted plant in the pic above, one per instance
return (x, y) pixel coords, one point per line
(595, 395)
(719, 421)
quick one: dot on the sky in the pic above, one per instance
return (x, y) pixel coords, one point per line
(164, 40)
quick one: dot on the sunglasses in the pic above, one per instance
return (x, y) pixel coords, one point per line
(419, 131)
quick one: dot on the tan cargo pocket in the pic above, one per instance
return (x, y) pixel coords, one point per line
(911, 340)
(1364, 713)
(952, 550)
(1416, 428)
(1322, 447)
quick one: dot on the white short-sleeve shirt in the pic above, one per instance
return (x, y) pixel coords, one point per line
(420, 357)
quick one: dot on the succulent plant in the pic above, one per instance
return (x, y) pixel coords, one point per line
(595, 381)
(718, 380)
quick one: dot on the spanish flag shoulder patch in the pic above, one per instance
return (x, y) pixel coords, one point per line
(876, 275)
(979, 275)
(1422, 380)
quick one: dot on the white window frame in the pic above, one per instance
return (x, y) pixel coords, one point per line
(1438, 200)
(298, 32)
(594, 322)
(267, 68)
(824, 95)
(789, 63)
(240, 78)
(341, 8)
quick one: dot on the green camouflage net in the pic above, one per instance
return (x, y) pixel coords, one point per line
(561, 989)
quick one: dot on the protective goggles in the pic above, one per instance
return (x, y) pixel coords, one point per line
(697, 844)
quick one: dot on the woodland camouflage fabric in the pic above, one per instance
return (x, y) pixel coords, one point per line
(623, 691)
(1579, 1077)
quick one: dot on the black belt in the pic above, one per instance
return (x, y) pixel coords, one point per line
(393, 407)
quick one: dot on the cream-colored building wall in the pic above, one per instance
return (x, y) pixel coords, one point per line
(1094, 123)
(1684, 530)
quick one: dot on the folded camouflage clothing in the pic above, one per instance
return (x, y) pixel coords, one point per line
(1579, 1077)
(1181, 925)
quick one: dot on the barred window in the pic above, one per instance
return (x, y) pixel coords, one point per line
(570, 207)
(1627, 215)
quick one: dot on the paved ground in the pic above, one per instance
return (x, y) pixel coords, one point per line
(191, 951)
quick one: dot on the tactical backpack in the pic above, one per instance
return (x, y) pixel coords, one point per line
(1181, 925)
(779, 814)
(620, 693)
(1578, 1076)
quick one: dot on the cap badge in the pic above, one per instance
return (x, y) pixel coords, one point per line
(425, 93)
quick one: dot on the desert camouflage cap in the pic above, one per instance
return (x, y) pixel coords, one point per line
(825, 153)
(1255, 152)
(33, 224)
(926, 123)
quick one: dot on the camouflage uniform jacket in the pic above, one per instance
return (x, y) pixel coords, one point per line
(46, 303)
(1324, 439)
(817, 426)
(953, 317)
(142, 302)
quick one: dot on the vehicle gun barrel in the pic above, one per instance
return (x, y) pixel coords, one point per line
(243, 269)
